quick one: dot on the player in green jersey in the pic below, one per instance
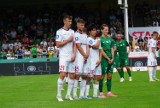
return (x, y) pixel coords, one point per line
(107, 44)
(123, 49)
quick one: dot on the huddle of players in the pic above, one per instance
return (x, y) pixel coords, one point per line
(84, 55)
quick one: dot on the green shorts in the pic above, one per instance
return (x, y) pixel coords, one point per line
(116, 63)
(124, 61)
(106, 67)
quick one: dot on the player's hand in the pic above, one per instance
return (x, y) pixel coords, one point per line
(70, 39)
(97, 63)
(111, 61)
(73, 58)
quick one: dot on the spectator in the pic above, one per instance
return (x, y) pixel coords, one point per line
(17, 43)
(50, 54)
(13, 34)
(27, 53)
(140, 41)
(20, 53)
(44, 53)
(34, 51)
(39, 51)
(43, 44)
(145, 43)
(5, 45)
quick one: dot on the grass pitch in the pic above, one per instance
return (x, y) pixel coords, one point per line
(39, 91)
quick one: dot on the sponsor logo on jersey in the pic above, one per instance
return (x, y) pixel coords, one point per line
(76, 38)
(57, 36)
(90, 42)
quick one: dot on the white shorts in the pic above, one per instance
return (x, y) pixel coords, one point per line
(81, 67)
(66, 65)
(151, 61)
(94, 70)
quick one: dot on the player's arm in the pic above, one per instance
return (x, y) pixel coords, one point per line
(74, 52)
(87, 50)
(59, 40)
(80, 49)
(154, 52)
(62, 43)
(112, 51)
(96, 45)
(128, 47)
(100, 57)
(104, 55)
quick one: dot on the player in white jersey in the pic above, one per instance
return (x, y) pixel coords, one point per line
(67, 54)
(152, 57)
(81, 61)
(95, 60)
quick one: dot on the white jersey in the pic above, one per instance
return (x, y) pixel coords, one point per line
(94, 53)
(152, 43)
(62, 35)
(82, 39)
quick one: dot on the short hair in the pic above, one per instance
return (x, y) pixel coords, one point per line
(91, 27)
(118, 32)
(81, 21)
(154, 33)
(103, 26)
(67, 17)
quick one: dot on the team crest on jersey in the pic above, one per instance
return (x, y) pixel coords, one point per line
(57, 36)
(90, 42)
(76, 38)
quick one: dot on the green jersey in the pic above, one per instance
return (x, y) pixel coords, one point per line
(122, 48)
(107, 44)
(34, 51)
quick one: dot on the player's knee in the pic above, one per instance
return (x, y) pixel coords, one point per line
(109, 76)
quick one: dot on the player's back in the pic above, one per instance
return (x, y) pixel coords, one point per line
(62, 35)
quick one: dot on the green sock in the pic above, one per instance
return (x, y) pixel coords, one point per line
(120, 71)
(109, 84)
(129, 72)
(101, 85)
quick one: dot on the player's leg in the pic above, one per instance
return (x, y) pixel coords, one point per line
(71, 71)
(109, 80)
(154, 71)
(97, 76)
(78, 72)
(150, 69)
(126, 64)
(86, 70)
(89, 78)
(121, 65)
(104, 65)
(62, 70)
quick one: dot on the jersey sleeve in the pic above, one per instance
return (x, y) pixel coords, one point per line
(90, 42)
(112, 43)
(153, 43)
(76, 38)
(58, 36)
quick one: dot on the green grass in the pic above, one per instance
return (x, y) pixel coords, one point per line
(39, 91)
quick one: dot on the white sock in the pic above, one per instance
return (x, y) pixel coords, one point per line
(75, 88)
(154, 72)
(82, 87)
(70, 86)
(87, 90)
(150, 73)
(59, 87)
(95, 90)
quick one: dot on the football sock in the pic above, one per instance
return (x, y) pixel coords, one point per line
(87, 90)
(101, 85)
(129, 72)
(95, 90)
(109, 84)
(75, 88)
(120, 71)
(82, 87)
(70, 86)
(59, 87)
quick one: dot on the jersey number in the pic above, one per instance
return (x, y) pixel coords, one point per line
(62, 68)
